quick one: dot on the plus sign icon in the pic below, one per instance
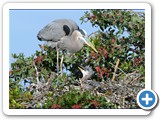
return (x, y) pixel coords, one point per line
(147, 99)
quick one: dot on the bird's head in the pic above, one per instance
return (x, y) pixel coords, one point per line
(87, 71)
(83, 37)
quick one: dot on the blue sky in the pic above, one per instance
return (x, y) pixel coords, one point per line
(25, 24)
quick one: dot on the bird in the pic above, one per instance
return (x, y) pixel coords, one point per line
(86, 82)
(64, 34)
(87, 72)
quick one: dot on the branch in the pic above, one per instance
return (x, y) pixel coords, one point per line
(93, 33)
(115, 70)
(50, 79)
(37, 73)
(61, 64)
(137, 78)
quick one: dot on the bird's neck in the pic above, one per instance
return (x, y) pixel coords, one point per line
(76, 44)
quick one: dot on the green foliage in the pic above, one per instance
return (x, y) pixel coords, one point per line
(77, 99)
(120, 35)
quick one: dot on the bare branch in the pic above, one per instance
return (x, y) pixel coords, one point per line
(93, 33)
(115, 70)
(61, 65)
(118, 68)
(37, 73)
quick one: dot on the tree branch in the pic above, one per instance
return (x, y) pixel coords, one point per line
(93, 33)
(37, 73)
(115, 70)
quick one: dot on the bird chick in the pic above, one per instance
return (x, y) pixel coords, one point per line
(87, 73)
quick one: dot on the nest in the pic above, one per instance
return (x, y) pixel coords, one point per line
(122, 92)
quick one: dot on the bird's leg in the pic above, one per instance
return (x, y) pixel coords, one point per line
(61, 64)
(57, 49)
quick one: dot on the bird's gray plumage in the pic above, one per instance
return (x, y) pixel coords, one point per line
(63, 33)
(55, 30)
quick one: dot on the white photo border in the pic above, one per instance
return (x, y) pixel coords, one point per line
(33, 6)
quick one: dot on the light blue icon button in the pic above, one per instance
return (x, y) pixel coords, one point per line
(147, 99)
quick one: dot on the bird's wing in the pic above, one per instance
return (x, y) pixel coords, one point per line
(52, 32)
(70, 24)
(57, 29)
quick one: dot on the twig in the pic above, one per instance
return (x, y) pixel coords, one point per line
(123, 102)
(50, 79)
(81, 84)
(131, 82)
(93, 33)
(131, 74)
(115, 70)
(37, 73)
(29, 78)
(57, 58)
(61, 65)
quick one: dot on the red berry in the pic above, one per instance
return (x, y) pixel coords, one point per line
(55, 106)
(98, 68)
(76, 106)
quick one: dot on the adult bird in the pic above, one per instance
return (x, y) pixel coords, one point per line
(65, 34)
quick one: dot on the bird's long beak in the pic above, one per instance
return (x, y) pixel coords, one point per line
(89, 44)
(80, 69)
(83, 71)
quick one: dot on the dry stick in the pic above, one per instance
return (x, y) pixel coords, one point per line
(57, 59)
(115, 70)
(81, 84)
(93, 33)
(37, 73)
(123, 102)
(118, 68)
(52, 75)
(130, 74)
(61, 65)
(131, 82)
